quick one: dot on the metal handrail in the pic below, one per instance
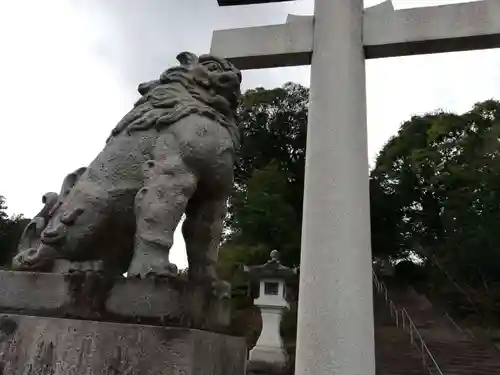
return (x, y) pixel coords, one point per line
(465, 331)
(403, 320)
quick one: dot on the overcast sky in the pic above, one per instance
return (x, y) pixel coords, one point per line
(70, 68)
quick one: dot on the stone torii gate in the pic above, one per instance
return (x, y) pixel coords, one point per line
(335, 319)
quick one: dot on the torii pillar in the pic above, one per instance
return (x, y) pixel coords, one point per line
(335, 317)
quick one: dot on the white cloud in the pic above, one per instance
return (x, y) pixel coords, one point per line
(69, 70)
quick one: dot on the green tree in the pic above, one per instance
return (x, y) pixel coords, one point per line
(263, 217)
(265, 212)
(11, 229)
(274, 124)
(436, 192)
(266, 209)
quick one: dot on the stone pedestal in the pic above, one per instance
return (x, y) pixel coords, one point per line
(55, 346)
(266, 368)
(166, 301)
(269, 347)
(86, 323)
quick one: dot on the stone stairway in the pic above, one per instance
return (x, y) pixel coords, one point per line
(394, 353)
(456, 352)
(465, 357)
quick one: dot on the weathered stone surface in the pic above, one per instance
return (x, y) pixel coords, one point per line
(153, 300)
(172, 154)
(43, 346)
(32, 291)
(173, 301)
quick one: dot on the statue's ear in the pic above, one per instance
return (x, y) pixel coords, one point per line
(70, 181)
(187, 58)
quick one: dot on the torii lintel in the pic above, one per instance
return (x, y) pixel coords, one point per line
(386, 33)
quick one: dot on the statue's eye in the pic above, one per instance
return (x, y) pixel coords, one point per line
(213, 67)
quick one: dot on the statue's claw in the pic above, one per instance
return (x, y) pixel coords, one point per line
(35, 259)
(169, 269)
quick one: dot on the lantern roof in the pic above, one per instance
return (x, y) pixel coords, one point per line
(271, 269)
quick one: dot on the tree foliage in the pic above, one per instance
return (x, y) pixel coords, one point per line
(436, 192)
(11, 229)
(266, 209)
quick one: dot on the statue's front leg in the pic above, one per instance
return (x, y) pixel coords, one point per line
(159, 207)
(202, 232)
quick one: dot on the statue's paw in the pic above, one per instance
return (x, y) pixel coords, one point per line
(35, 259)
(65, 266)
(167, 269)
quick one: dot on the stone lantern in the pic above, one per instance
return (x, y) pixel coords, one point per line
(272, 303)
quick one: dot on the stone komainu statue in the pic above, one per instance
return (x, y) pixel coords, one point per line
(173, 153)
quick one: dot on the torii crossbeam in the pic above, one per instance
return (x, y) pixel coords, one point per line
(335, 319)
(387, 33)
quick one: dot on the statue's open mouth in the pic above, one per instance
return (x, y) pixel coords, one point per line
(35, 258)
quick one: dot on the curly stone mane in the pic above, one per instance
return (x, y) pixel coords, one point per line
(205, 85)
